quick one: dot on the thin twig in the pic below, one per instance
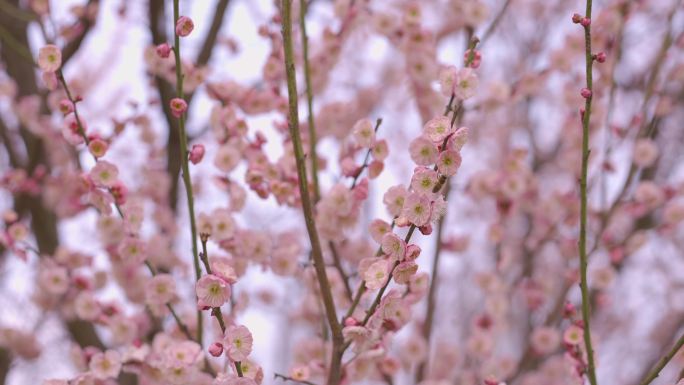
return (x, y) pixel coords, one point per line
(586, 116)
(663, 361)
(184, 160)
(335, 374)
(309, 102)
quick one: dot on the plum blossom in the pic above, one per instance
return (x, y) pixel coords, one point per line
(573, 335)
(466, 83)
(424, 180)
(212, 291)
(447, 79)
(545, 340)
(196, 153)
(417, 209)
(49, 58)
(161, 289)
(448, 163)
(364, 133)
(222, 224)
(437, 129)
(645, 152)
(376, 274)
(238, 342)
(184, 26)
(106, 365)
(393, 246)
(394, 199)
(55, 280)
(423, 151)
(178, 107)
(104, 174)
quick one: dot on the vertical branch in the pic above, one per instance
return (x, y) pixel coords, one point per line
(335, 373)
(586, 115)
(309, 101)
(184, 161)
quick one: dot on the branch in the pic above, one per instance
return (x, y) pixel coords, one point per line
(663, 361)
(183, 152)
(72, 47)
(210, 40)
(431, 301)
(309, 103)
(586, 116)
(335, 374)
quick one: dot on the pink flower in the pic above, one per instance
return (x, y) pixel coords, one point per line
(404, 271)
(66, 107)
(375, 168)
(184, 26)
(466, 83)
(645, 152)
(216, 349)
(339, 199)
(601, 57)
(161, 289)
(573, 335)
(393, 246)
(438, 128)
(545, 340)
(183, 353)
(412, 252)
(447, 80)
(49, 58)
(380, 150)
(178, 107)
(104, 174)
(423, 151)
(227, 158)
(132, 251)
(98, 147)
(86, 306)
(394, 199)
(376, 275)
(163, 50)
(238, 341)
(72, 130)
(222, 224)
(212, 291)
(363, 132)
(459, 139)
(448, 163)
(300, 373)
(196, 153)
(424, 180)
(417, 209)
(378, 228)
(106, 365)
(222, 268)
(55, 280)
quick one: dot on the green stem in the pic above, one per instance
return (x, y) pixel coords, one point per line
(184, 160)
(653, 374)
(335, 370)
(586, 311)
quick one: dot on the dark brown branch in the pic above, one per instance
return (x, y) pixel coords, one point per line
(87, 24)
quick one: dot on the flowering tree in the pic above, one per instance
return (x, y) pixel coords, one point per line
(414, 192)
